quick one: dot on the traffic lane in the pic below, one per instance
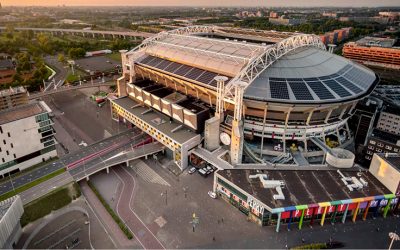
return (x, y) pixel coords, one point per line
(35, 174)
(45, 187)
(148, 149)
(100, 159)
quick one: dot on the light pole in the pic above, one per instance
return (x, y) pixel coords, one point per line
(166, 196)
(12, 184)
(394, 237)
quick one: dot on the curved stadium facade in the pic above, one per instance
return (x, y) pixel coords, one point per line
(294, 90)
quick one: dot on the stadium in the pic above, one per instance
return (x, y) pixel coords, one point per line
(265, 97)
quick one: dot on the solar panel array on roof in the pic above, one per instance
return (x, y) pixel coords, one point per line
(335, 86)
(196, 74)
(279, 90)
(349, 85)
(300, 90)
(320, 90)
(359, 77)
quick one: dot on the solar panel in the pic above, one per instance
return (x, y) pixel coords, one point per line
(207, 77)
(155, 62)
(146, 59)
(300, 91)
(337, 88)
(163, 64)
(279, 90)
(183, 70)
(172, 67)
(277, 79)
(194, 73)
(320, 90)
(349, 85)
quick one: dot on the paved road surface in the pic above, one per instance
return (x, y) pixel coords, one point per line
(106, 218)
(30, 176)
(45, 187)
(148, 149)
(142, 233)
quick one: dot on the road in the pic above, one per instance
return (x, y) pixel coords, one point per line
(45, 187)
(64, 161)
(90, 32)
(139, 229)
(61, 71)
(88, 169)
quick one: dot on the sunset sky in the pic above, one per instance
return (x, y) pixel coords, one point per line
(299, 3)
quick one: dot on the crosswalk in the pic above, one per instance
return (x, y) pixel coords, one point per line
(148, 174)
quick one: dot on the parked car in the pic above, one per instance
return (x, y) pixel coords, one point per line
(212, 194)
(192, 170)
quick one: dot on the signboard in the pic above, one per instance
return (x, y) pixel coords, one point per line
(255, 205)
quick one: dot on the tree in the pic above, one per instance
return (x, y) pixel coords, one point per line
(61, 58)
(75, 53)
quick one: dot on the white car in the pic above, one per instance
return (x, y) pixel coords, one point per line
(212, 194)
(192, 170)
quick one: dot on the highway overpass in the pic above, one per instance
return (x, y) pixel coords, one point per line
(135, 35)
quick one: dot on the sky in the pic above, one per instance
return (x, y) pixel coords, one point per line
(293, 3)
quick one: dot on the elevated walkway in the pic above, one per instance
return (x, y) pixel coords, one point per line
(321, 144)
(124, 157)
(213, 157)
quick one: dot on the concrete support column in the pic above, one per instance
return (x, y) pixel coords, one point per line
(366, 211)
(278, 222)
(301, 218)
(334, 215)
(87, 177)
(290, 220)
(355, 212)
(309, 117)
(108, 170)
(145, 157)
(127, 163)
(385, 211)
(377, 208)
(262, 132)
(323, 216)
(345, 213)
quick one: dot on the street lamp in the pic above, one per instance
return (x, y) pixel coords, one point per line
(394, 237)
(166, 196)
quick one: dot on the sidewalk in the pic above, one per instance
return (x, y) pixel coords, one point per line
(109, 223)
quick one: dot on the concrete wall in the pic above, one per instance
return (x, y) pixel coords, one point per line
(9, 223)
(388, 175)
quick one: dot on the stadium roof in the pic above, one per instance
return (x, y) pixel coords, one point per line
(297, 69)
(308, 74)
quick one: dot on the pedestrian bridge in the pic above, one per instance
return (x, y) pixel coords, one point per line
(85, 170)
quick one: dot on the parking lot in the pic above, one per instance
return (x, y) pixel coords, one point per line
(97, 64)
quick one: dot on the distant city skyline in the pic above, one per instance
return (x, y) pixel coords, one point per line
(250, 3)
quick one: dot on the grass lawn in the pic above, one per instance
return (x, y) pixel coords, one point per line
(53, 201)
(115, 56)
(31, 184)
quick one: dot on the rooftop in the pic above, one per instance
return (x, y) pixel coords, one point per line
(21, 112)
(12, 91)
(6, 64)
(376, 42)
(385, 136)
(304, 187)
(310, 75)
(163, 123)
(392, 158)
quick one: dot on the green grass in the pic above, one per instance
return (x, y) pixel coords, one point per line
(116, 218)
(72, 78)
(312, 246)
(53, 201)
(31, 184)
(28, 170)
(115, 56)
